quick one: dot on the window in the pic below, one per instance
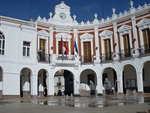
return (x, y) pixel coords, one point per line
(26, 48)
(2, 44)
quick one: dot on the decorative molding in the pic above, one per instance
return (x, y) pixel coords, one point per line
(86, 36)
(106, 33)
(64, 30)
(43, 33)
(63, 36)
(124, 28)
(61, 6)
(143, 22)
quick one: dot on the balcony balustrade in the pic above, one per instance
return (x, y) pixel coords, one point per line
(106, 57)
(43, 57)
(144, 50)
(55, 58)
(87, 59)
(125, 54)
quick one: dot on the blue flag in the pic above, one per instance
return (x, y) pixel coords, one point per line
(75, 46)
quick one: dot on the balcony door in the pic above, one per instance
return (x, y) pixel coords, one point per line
(42, 48)
(126, 45)
(107, 48)
(87, 51)
(146, 39)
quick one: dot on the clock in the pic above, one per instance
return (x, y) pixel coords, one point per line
(62, 15)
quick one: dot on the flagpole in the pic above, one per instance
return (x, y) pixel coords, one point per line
(66, 47)
(62, 47)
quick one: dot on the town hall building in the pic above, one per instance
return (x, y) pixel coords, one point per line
(60, 54)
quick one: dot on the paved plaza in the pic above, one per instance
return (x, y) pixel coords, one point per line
(94, 104)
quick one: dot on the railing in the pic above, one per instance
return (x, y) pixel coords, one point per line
(43, 57)
(54, 57)
(87, 59)
(106, 57)
(65, 57)
(147, 48)
(125, 54)
(144, 49)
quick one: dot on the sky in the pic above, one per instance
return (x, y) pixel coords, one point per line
(83, 9)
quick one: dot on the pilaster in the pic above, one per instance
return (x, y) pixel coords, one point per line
(139, 82)
(120, 83)
(51, 40)
(33, 82)
(96, 43)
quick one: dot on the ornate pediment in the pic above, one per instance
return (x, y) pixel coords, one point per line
(43, 33)
(63, 36)
(143, 22)
(62, 6)
(62, 15)
(86, 36)
(124, 28)
(105, 33)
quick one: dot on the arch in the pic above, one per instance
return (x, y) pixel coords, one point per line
(94, 80)
(25, 82)
(63, 82)
(125, 64)
(42, 82)
(109, 67)
(2, 45)
(109, 80)
(146, 76)
(88, 79)
(142, 65)
(129, 77)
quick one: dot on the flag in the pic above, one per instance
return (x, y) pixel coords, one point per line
(75, 46)
(61, 43)
(62, 46)
(66, 46)
(63, 49)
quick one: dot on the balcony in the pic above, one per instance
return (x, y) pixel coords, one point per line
(87, 59)
(106, 57)
(144, 50)
(125, 54)
(43, 57)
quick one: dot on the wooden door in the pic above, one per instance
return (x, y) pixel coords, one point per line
(126, 45)
(87, 51)
(42, 48)
(146, 39)
(107, 48)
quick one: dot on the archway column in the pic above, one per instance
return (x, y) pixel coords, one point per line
(120, 83)
(76, 86)
(50, 85)
(76, 83)
(33, 82)
(139, 82)
(99, 87)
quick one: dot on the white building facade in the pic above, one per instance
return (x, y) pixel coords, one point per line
(32, 56)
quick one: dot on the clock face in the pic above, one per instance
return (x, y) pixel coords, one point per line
(62, 15)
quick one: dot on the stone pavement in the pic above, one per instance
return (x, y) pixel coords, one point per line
(101, 104)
